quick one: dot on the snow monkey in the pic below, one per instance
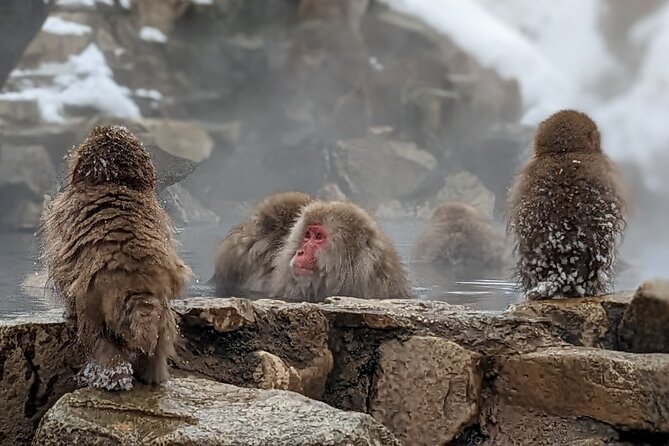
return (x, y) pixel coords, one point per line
(110, 253)
(336, 249)
(462, 241)
(567, 212)
(244, 262)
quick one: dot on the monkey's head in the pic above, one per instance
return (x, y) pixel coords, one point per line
(278, 212)
(567, 131)
(112, 155)
(454, 210)
(332, 237)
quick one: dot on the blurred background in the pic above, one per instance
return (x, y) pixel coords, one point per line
(397, 104)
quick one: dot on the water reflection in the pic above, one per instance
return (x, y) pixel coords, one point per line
(491, 293)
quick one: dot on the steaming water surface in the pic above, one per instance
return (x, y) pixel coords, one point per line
(19, 253)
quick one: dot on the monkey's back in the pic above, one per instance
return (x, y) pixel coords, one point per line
(106, 243)
(462, 244)
(567, 215)
(245, 256)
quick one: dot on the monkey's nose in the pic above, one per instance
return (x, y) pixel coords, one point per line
(300, 252)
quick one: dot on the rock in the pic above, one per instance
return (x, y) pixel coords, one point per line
(261, 344)
(645, 325)
(20, 111)
(39, 359)
(401, 169)
(591, 322)
(426, 390)
(63, 35)
(331, 192)
(466, 188)
(184, 209)
(26, 174)
(620, 389)
(190, 411)
(20, 21)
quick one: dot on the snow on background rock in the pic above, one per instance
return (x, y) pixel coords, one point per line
(84, 80)
(560, 58)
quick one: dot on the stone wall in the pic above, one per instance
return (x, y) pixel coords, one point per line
(541, 373)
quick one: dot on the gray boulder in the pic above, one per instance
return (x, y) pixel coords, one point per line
(191, 411)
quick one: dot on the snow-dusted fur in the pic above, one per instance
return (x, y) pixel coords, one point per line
(358, 261)
(110, 253)
(244, 261)
(567, 212)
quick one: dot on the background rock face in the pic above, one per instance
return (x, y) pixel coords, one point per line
(193, 412)
(432, 373)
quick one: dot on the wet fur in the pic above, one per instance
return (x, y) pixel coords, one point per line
(110, 254)
(244, 261)
(461, 241)
(567, 212)
(360, 262)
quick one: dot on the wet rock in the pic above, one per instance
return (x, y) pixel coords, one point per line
(26, 174)
(589, 322)
(518, 425)
(39, 358)
(189, 411)
(426, 390)
(261, 344)
(184, 209)
(620, 389)
(401, 169)
(645, 326)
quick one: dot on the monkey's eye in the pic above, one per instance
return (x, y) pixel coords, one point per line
(318, 236)
(307, 234)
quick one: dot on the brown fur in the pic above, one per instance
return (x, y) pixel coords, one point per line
(110, 254)
(462, 241)
(359, 261)
(567, 212)
(244, 261)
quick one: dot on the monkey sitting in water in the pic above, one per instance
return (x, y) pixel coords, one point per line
(337, 249)
(110, 253)
(461, 241)
(244, 262)
(567, 212)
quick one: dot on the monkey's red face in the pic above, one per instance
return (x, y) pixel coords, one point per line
(315, 240)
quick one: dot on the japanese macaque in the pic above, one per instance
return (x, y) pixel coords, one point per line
(110, 254)
(336, 249)
(244, 262)
(567, 212)
(461, 241)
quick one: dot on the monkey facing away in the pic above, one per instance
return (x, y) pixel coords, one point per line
(337, 249)
(244, 261)
(567, 212)
(110, 253)
(462, 241)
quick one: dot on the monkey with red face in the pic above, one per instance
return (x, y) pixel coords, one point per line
(337, 249)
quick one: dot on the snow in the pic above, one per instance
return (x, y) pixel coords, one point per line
(84, 80)
(56, 25)
(560, 60)
(84, 3)
(149, 94)
(151, 34)
(202, 2)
